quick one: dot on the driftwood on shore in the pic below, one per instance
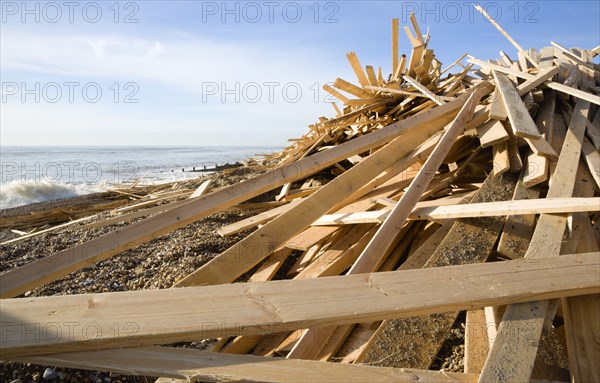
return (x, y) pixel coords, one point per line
(427, 194)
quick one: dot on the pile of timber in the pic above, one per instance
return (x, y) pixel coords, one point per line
(427, 194)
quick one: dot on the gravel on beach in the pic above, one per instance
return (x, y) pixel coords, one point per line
(154, 265)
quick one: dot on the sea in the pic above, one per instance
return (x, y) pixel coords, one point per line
(36, 174)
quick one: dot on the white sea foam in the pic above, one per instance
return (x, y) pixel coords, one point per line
(17, 193)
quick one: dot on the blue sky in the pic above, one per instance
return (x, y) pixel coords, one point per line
(227, 73)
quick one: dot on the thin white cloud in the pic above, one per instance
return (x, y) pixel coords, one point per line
(176, 71)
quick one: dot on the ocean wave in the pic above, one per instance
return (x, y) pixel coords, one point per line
(18, 193)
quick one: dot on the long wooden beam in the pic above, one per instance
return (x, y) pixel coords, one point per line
(508, 37)
(36, 326)
(54, 266)
(196, 365)
(484, 209)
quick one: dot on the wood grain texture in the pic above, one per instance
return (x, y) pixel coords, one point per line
(195, 365)
(173, 315)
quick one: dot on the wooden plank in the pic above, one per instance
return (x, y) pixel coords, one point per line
(546, 57)
(371, 76)
(272, 264)
(543, 76)
(514, 157)
(205, 366)
(492, 133)
(255, 220)
(339, 256)
(423, 89)
(395, 34)
(510, 39)
(501, 158)
(407, 93)
(512, 359)
(476, 341)
(268, 307)
(520, 120)
(582, 327)
(357, 68)
(201, 190)
(541, 147)
(550, 84)
(54, 266)
(351, 88)
(483, 209)
(335, 93)
(536, 170)
(582, 324)
(592, 159)
(518, 229)
(594, 133)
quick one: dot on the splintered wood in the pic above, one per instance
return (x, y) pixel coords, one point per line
(429, 194)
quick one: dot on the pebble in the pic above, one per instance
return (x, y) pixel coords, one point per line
(153, 265)
(50, 374)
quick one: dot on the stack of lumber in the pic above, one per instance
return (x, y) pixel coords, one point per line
(428, 194)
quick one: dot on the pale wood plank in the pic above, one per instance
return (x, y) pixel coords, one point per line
(357, 68)
(510, 39)
(395, 34)
(492, 133)
(518, 229)
(582, 324)
(476, 341)
(541, 147)
(520, 120)
(269, 307)
(592, 159)
(483, 209)
(543, 76)
(195, 365)
(255, 220)
(497, 109)
(423, 89)
(593, 130)
(536, 170)
(501, 158)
